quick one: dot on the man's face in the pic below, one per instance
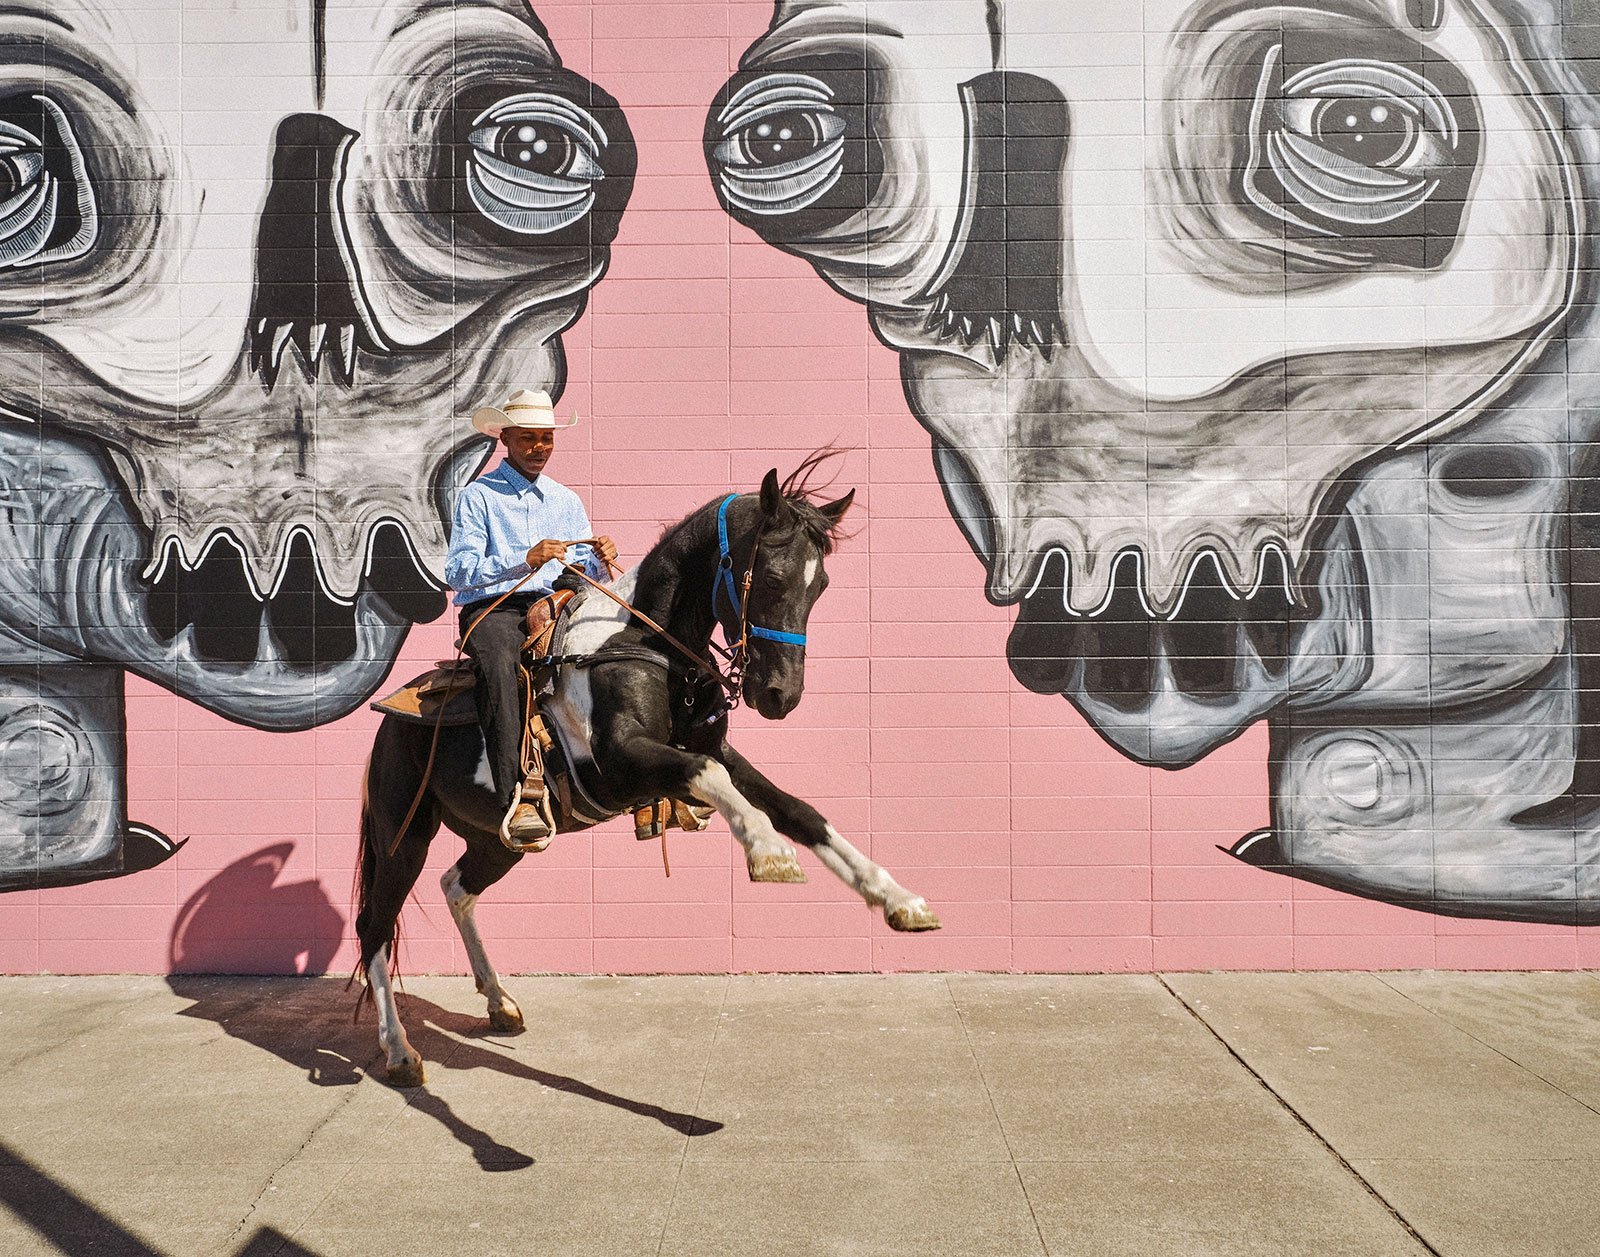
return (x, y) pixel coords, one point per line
(529, 449)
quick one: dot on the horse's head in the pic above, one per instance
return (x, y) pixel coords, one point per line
(790, 537)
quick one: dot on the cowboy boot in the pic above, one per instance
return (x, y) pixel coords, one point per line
(527, 825)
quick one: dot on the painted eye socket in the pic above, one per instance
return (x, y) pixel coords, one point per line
(782, 144)
(535, 163)
(1350, 145)
(47, 205)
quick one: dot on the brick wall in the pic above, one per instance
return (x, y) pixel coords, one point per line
(705, 356)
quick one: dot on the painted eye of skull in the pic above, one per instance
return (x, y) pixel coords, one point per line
(1347, 153)
(47, 205)
(782, 144)
(792, 152)
(536, 159)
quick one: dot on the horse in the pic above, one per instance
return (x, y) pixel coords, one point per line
(650, 723)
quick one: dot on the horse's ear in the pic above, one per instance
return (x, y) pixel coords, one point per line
(835, 510)
(771, 494)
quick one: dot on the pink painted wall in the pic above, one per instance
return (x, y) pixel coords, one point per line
(706, 357)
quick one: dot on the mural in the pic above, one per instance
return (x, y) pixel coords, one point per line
(1255, 346)
(242, 299)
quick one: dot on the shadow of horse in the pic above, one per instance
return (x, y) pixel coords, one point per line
(298, 1022)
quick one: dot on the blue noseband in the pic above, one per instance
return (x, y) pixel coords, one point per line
(724, 584)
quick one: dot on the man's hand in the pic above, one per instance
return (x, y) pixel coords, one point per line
(545, 551)
(606, 549)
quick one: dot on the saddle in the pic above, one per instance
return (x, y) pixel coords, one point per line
(446, 695)
(450, 685)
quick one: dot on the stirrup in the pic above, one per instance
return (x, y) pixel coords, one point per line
(536, 843)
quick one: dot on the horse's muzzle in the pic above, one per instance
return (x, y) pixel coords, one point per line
(774, 702)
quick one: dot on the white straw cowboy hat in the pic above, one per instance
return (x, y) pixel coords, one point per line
(523, 409)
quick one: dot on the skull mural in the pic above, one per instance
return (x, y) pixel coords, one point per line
(1251, 338)
(243, 291)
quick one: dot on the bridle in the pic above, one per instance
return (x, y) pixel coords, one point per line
(738, 597)
(734, 656)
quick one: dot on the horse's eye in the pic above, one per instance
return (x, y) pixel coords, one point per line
(782, 144)
(535, 161)
(47, 204)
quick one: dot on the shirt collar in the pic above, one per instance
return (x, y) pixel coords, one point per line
(519, 483)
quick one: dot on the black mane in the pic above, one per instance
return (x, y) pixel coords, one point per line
(675, 576)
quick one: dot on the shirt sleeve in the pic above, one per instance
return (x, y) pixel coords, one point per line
(468, 565)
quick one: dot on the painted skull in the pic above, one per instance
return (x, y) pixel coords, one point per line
(253, 265)
(1242, 332)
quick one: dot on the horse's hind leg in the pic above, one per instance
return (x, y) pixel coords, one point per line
(386, 880)
(484, 864)
(403, 1063)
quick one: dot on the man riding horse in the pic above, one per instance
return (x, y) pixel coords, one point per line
(514, 524)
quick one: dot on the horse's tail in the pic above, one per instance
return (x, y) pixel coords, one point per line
(366, 873)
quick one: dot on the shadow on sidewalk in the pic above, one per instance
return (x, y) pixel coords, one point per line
(61, 1217)
(309, 1025)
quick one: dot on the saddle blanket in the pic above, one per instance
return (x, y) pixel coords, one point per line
(448, 686)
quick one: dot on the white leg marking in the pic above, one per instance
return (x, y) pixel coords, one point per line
(750, 825)
(503, 1011)
(391, 1034)
(872, 882)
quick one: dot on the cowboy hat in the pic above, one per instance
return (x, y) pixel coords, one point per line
(523, 409)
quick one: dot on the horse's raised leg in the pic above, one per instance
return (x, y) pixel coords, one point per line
(902, 909)
(768, 857)
(504, 1015)
(666, 772)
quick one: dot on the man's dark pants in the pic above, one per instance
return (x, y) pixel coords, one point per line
(495, 646)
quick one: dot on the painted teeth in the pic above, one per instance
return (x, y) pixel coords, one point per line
(314, 341)
(1000, 329)
(1272, 569)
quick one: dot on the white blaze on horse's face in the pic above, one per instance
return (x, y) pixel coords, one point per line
(1162, 275)
(788, 580)
(264, 278)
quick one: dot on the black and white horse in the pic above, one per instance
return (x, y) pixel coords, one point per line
(638, 722)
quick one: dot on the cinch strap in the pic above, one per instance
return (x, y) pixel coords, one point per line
(724, 584)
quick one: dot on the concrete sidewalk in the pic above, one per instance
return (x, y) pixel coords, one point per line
(1271, 1114)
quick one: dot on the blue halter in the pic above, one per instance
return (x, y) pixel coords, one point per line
(724, 584)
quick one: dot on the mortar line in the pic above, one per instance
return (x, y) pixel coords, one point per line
(966, 1036)
(1302, 1122)
(694, 1114)
(1509, 1059)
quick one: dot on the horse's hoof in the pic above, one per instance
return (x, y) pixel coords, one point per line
(505, 1021)
(776, 868)
(408, 1073)
(912, 918)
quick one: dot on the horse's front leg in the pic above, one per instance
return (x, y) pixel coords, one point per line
(666, 772)
(902, 909)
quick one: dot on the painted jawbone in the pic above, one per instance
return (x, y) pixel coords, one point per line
(1251, 395)
(231, 367)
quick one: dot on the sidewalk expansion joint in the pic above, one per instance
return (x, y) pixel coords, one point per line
(694, 1112)
(350, 1094)
(1500, 1052)
(1311, 1130)
(994, 1109)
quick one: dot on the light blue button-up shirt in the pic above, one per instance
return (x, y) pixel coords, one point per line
(499, 517)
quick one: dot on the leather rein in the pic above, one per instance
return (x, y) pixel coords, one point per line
(734, 656)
